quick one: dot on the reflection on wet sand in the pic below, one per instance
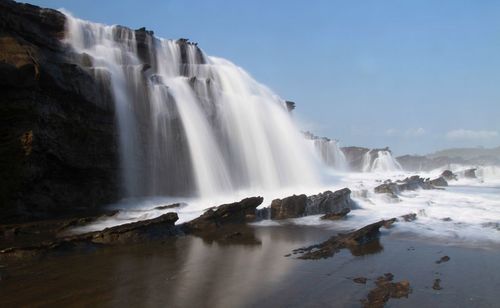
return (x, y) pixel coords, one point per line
(199, 272)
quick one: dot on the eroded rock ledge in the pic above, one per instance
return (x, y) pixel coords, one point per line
(351, 240)
(330, 203)
(208, 224)
(410, 183)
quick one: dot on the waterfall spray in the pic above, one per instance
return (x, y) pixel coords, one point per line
(190, 124)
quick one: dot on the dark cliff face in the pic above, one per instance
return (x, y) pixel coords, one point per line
(58, 146)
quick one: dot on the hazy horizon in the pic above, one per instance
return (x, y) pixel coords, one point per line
(415, 76)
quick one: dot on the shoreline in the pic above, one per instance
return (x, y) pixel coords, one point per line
(189, 271)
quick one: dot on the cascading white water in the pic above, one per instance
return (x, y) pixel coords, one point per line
(190, 124)
(330, 153)
(380, 161)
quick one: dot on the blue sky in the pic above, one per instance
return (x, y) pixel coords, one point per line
(413, 75)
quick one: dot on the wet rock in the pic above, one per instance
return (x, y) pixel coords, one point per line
(389, 223)
(409, 217)
(437, 284)
(151, 229)
(352, 240)
(289, 207)
(387, 188)
(360, 280)
(171, 206)
(290, 105)
(386, 289)
(33, 233)
(328, 202)
(448, 175)
(336, 216)
(446, 219)
(470, 173)
(410, 183)
(443, 259)
(136, 232)
(440, 181)
(232, 213)
(337, 203)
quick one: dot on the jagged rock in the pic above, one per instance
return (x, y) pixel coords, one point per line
(170, 206)
(223, 217)
(470, 173)
(151, 229)
(136, 232)
(329, 202)
(336, 216)
(386, 289)
(337, 203)
(440, 181)
(232, 213)
(289, 207)
(387, 188)
(351, 240)
(448, 175)
(410, 183)
(290, 105)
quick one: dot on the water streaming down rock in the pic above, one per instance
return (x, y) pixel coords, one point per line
(380, 161)
(189, 124)
(330, 153)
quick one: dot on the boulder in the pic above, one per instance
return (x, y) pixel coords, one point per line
(328, 202)
(448, 175)
(232, 213)
(440, 181)
(333, 204)
(387, 188)
(289, 207)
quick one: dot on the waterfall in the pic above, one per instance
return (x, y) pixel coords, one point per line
(380, 161)
(190, 124)
(330, 153)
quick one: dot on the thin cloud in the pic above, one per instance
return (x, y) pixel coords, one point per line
(466, 134)
(411, 132)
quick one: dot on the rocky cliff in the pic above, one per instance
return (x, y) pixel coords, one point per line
(58, 147)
